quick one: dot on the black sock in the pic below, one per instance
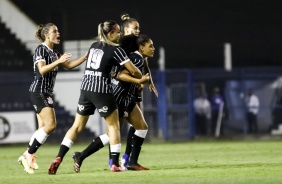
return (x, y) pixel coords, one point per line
(93, 147)
(115, 157)
(110, 151)
(130, 134)
(136, 148)
(34, 147)
(63, 151)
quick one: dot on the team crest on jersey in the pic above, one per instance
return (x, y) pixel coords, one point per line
(50, 100)
(103, 109)
(80, 107)
(125, 114)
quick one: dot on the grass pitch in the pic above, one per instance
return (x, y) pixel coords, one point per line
(190, 162)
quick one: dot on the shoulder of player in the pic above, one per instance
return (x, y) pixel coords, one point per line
(134, 55)
(41, 46)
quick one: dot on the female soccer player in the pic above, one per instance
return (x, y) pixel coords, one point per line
(131, 26)
(45, 66)
(124, 92)
(96, 92)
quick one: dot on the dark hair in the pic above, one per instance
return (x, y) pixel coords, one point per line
(42, 29)
(129, 43)
(126, 21)
(142, 39)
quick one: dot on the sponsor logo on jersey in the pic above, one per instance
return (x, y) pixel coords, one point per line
(80, 107)
(93, 73)
(50, 100)
(103, 109)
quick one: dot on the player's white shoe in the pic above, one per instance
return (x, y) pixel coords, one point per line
(31, 159)
(22, 160)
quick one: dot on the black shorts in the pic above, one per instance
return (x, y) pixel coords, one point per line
(41, 100)
(89, 101)
(138, 97)
(124, 110)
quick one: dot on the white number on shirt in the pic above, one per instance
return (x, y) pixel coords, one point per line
(94, 58)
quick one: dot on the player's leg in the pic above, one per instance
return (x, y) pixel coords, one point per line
(128, 148)
(110, 114)
(94, 146)
(115, 143)
(85, 108)
(46, 124)
(47, 115)
(137, 120)
(40, 125)
(125, 158)
(122, 121)
(70, 137)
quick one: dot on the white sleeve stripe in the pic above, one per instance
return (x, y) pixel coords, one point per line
(122, 63)
(39, 61)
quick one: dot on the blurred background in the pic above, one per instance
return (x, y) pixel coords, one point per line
(201, 45)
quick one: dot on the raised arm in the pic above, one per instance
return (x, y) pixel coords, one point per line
(43, 68)
(74, 63)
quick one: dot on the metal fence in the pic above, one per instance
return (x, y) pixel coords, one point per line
(170, 116)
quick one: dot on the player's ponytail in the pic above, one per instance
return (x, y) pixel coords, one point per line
(42, 30)
(103, 30)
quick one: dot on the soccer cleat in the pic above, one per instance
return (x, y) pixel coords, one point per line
(54, 165)
(36, 166)
(110, 163)
(31, 160)
(77, 162)
(22, 160)
(34, 162)
(115, 168)
(136, 167)
(124, 161)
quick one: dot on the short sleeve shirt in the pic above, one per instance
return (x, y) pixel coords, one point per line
(100, 61)
(44, 83)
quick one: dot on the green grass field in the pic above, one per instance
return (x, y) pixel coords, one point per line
(191, 162)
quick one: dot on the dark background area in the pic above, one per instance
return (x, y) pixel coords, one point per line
(192, 32)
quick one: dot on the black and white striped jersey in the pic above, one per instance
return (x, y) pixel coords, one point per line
(101, 58)
(125, 92)
(44, 83)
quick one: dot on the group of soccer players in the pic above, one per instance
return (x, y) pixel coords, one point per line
(116, 71)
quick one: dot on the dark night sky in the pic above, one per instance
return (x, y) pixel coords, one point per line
(192, 32)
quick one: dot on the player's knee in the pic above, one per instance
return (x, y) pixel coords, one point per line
(142, 125)
(76, 129)
(50, 128)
